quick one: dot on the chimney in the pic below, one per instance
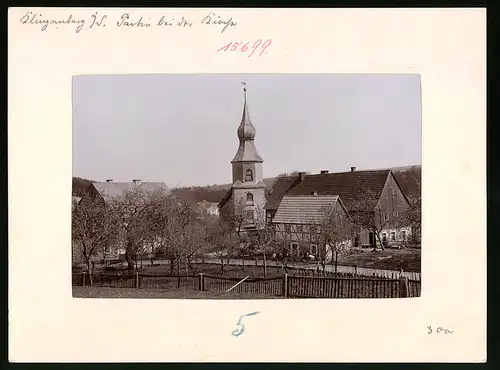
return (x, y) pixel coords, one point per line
(353, 169)
(301, 176)
(136, 181)
(324, 172)
(109, 180)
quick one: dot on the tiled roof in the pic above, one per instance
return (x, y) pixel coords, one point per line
(112, 190)
(348, 185)
(282, 185)
(304, 209)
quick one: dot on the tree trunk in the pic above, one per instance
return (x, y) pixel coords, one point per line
(186, 265)
(243, 264)
(336, 260)
(380, 241)
(265, 266)
(103, 260)
(129, 259)
(172, 265)
(222, 264)
(89, 269)
(191, 266)
(178, 266)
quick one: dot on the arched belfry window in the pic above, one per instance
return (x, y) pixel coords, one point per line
(249, 199)
(248, 175)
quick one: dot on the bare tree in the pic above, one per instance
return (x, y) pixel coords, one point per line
(137, 210)
(180, 225)
(332, 231)
(366, 213)
(412, 217)
(94, 228)
(264, 237)
(223, 240)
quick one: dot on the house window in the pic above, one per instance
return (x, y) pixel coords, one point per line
(313, 249)
(393, 235)
(403, 234)
(299, 229)
(248, 175)
(384, 238)
(394, 196)
(287, 228)
(249, 216)
(249, 199)
(386, 217)
(312, 229)
(294, 249)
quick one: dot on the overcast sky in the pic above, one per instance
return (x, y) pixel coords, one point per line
(181, 129)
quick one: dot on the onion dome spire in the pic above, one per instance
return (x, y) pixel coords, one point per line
(246, 135)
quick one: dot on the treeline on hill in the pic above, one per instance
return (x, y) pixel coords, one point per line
(80, 186)
(213, 194)
(408, 177)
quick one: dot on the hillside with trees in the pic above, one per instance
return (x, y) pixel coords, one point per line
(408, 177)
(80, 186)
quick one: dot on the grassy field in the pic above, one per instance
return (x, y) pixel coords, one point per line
(106, 292)
(389, 259)
(215, 269)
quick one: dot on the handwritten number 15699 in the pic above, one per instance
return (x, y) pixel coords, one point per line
(244, 47)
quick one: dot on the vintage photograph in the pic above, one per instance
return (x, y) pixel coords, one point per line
(246, 186)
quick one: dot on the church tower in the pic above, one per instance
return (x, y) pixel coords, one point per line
(247, 193)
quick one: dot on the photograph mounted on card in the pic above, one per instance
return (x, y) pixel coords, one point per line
(277, 231)
(226, 184)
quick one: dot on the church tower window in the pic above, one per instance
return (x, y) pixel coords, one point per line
(248, 175)
(249, 199)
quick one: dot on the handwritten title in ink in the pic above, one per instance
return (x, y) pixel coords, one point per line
(45, 22)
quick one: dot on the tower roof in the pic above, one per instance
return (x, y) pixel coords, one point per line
(246, 134)
(246, 130)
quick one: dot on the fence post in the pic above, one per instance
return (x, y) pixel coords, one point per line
(83, 278)
(137, 279)
(285, 286)
(202, 281)
(403, 287)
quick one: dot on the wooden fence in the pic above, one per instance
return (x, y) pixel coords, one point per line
(287, 286)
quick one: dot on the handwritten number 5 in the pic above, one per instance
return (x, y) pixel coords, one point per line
(238, 331)
(235, 46)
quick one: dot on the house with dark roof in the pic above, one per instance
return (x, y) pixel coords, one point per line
(111, 190)
(209, 207)
(375, 191)
(305, 221)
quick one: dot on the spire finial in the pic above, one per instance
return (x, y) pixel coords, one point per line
(244, 90)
